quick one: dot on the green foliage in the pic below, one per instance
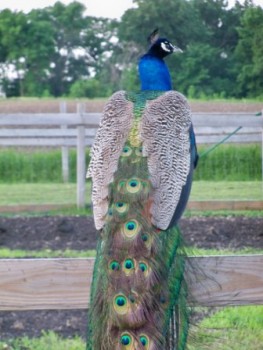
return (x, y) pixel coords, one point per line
(87, 88)
(222, 46)
(50, 48)
(249, 51)
(49, 340)
(130, 79)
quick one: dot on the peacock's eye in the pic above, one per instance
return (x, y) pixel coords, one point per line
(132, 298)
(144, 340)
(145, 237)
(128, 267)
(147, 240)
(131, 228)
(143, 267)
(121, 304)
(127, 151)
(121, 207)
(129, 264)
(138, 151)
(114, 265)
(120, 300)
(126, 340)
(130, 225)
(134, 185)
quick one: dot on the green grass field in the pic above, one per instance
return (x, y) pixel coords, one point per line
(40, 193)
(62, 194)
(227, 190)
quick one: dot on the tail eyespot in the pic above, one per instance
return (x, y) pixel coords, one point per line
(121, 304)
(131, 228)
(134, 185)
(127, 151)
(126, 341)
(144, 340)
(114, 265)
(128, 267)
(121, 207)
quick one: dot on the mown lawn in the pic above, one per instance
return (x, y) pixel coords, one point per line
(60, 193)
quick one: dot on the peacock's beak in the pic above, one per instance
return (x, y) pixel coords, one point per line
(176, 49)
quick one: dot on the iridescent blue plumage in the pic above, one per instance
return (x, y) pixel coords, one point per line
(154, 74)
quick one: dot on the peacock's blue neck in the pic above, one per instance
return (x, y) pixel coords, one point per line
(154, 74)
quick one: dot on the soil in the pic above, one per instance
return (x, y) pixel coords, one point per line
(78, 233)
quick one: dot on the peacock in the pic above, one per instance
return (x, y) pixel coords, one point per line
(142, 163)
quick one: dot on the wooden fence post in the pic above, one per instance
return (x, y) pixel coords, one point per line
(81, 160)
(64, 149)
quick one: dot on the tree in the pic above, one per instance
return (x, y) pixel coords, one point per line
(51, 48)
(249, 52)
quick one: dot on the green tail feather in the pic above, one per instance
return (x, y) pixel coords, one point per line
(138, 294)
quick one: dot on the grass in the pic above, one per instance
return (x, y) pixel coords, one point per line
(35, 166)
(232, 328)
(230, 163)
(227, 190)
(226, 163)
(6, 253)
(65, 194)
(40, 193)
(48, 341)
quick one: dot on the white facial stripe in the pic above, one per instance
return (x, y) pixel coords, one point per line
(165, 48)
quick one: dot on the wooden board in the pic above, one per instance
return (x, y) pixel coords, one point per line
(225, 205)
(39, 284)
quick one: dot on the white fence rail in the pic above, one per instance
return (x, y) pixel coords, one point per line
(78, 130)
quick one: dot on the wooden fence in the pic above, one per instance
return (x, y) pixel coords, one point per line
(78, 130)
(33, 284)
(39, 284)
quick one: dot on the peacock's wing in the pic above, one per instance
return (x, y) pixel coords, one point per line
(166, 144)
(108, 145)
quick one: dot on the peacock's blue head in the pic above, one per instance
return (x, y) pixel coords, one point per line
(154, 74)
(162, 48)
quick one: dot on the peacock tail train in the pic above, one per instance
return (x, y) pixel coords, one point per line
(140, 166)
